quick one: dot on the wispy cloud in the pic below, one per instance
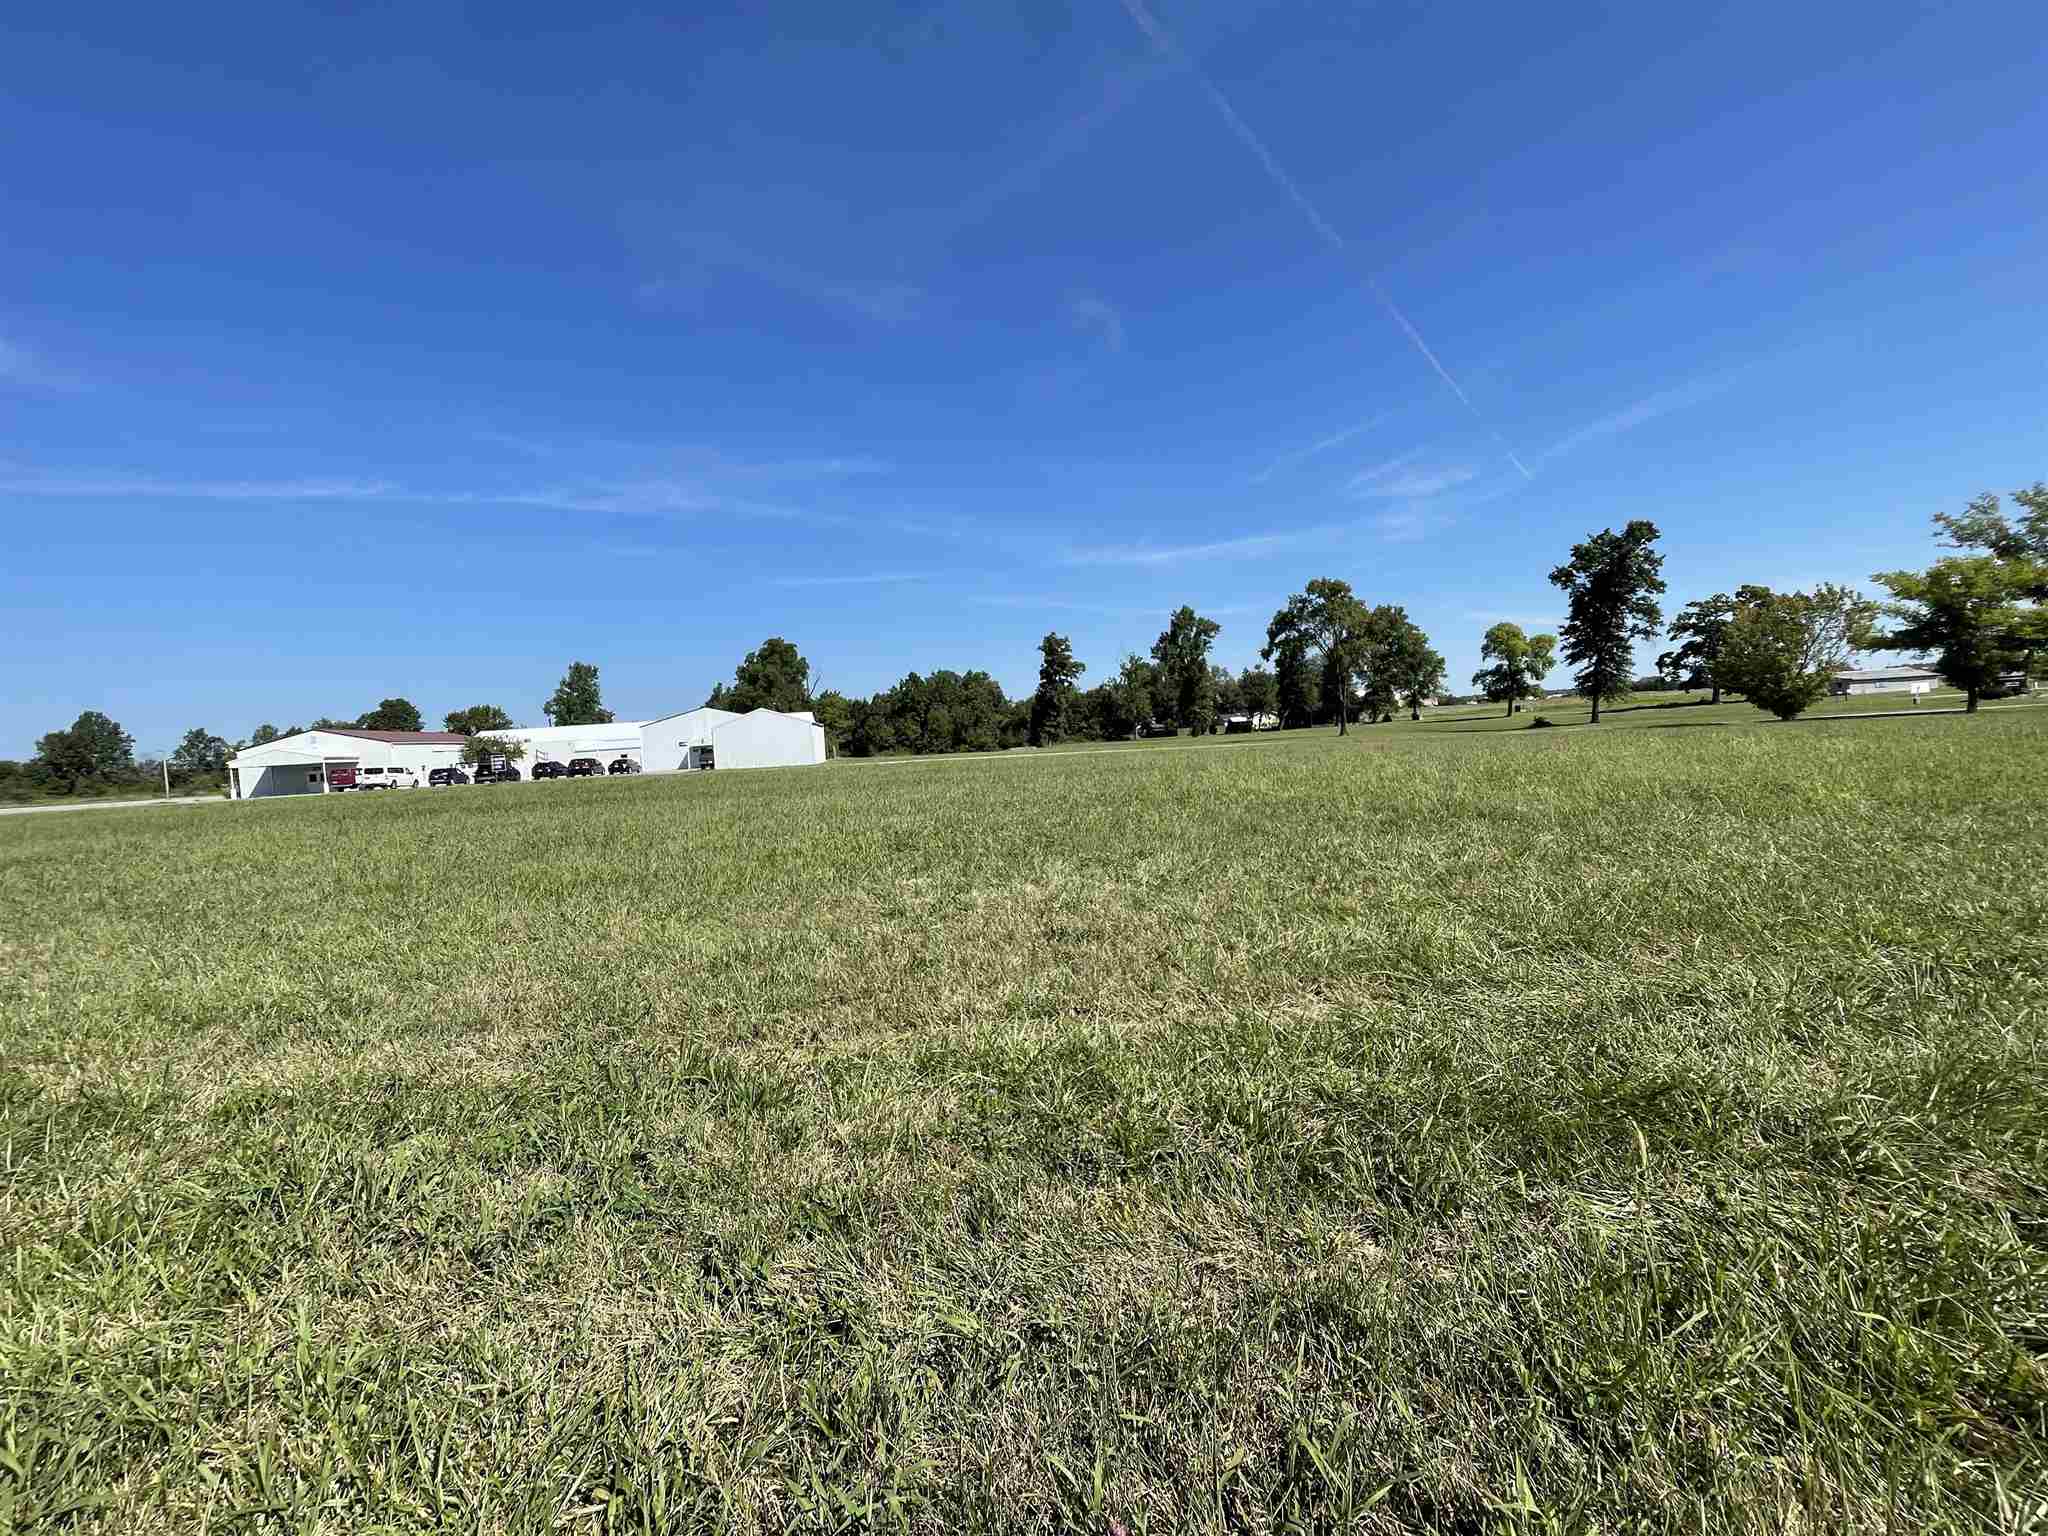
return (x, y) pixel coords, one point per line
(869, 579)
(1321, 445)
(1420, 484)
(1530, 620)
(1073, 134)
(815, 469)
(1099, 318)
(127, 487)
(1168, 44)
(1365, 477)
(21, 368)
(693, 458)
(878, 300)
(1175, 554)
(1408, 526)
(720, 487)
(532, 447)
(1629, 417)
(616, 498)
(1037, 601)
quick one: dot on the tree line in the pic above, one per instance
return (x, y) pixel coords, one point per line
(1979, 616)
(95, 756)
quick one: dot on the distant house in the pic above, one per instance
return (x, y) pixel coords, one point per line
(1885, 680)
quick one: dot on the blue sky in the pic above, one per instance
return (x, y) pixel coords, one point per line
(348, 352)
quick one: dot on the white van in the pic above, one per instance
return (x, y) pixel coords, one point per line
(387, 778)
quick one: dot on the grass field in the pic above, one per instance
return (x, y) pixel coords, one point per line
(1430, 1129)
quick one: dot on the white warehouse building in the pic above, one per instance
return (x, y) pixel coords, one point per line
(719, 738)
(300, 764)
(559, 743)
(305, 763)
(1885, 680)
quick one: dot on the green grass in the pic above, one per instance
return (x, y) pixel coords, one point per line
(1427, 1130)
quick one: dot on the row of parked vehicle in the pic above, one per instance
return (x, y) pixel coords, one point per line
(497, 770)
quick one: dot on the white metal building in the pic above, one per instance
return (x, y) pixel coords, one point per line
(680, 741)
(303, 764)
(1886, 680)
(559, 743)
(719, 738)
(300, 764)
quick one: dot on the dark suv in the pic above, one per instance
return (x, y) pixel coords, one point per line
(584, 767)
(441, 777)
(548, 770)
(497, 771)
(623, 764)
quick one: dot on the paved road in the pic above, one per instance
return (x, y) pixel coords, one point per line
(111, 805)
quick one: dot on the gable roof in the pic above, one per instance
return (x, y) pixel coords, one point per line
(1884, 674)
(398, 738)
(701, 709)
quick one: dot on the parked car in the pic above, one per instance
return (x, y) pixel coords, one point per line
(387, 778)
(548, 770)
(497, 770)
(440, 778)
(624, 764)
(584, 767)
(341, 777)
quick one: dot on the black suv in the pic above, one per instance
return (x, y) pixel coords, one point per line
(548, 770)
(497, 771)
(444, 776)
(623, 764)
(584, 767)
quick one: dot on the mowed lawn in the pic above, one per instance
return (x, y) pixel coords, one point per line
(1431, 1130)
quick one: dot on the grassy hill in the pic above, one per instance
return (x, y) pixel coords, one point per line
(1436, 1128)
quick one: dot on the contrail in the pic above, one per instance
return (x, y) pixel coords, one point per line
(1168, 44)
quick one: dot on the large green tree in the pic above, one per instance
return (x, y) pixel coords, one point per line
(1131, 697)
(477, 719)
(92, 750)
(1395, 663)
(1782, 650)
(391, 715)
(774, 675)
(266, 733)
(1255, 688)
(481, 748)
(1415, 668)
(1182, 655)
(1229, 692)
(201, 753)
(1979, 617)
(1517, 664)
(1057, 673)
(943, 712)
(1972, 614)
(2023, 545)
(577, 699)
(835, 712)
(1699, 628)
(1297, 694)
(1325, 622)
(1612, 583)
